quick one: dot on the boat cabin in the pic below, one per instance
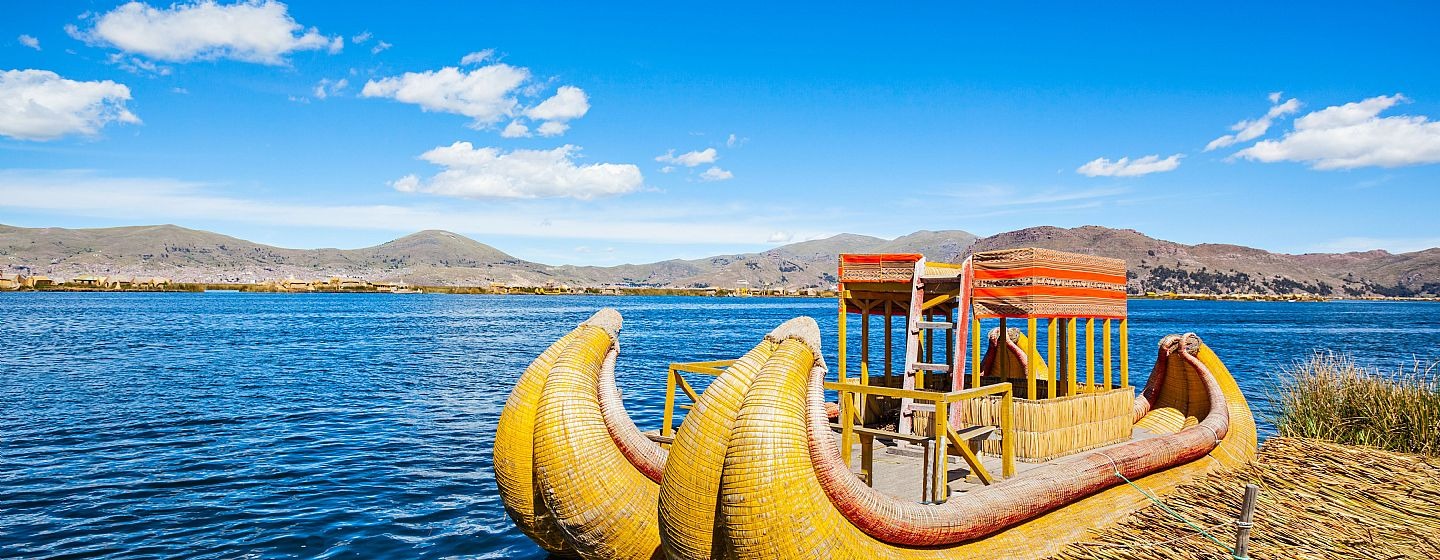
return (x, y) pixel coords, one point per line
(1009, 358)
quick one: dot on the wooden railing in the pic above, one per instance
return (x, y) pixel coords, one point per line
(674, 380)
(935, 483)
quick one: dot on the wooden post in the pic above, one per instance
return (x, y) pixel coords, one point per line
(1090, 353)
(1124, 353)
(1052, 377)
(974, 351)
(1007, 433)
(889, 347)
(861, 398)
(1247, 521)
(941, 489)
(846, 434)
(1033, 356)
(867, 459)
(1108, 369)
(1000, 350)
(667, 426)
(1070, 356)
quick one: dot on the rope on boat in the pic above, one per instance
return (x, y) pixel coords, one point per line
(1176, 515)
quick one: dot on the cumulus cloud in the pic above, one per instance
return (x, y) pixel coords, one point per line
(1125, 167)
(361, 38)
(258, 31)
(1354, 135)
(716, 174)
(735, 141)
(1251, 129)
(515, 129)
(569, 102)
(327, 87)
(485, 94)
(41, 105)
(29, 42)
(477, 57)
(552, 128)
(379, 47)
(472, 172)
(689, 159)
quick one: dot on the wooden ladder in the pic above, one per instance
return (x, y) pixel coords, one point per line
(915, 324)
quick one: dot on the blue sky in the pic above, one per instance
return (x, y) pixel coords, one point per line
(822, 119)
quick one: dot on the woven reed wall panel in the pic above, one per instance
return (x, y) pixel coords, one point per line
(878, 268)
(1034, 282)
(1053, 428)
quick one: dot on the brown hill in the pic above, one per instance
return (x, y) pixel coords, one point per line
(444, 258)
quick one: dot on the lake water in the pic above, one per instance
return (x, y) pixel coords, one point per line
(360, 425)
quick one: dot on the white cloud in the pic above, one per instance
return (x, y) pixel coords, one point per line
(361, 38)
(689, 159)
(477, 57)
(380, 47)
(1251, 129)
(716, 174)
(1354, 135)
(735, 141)
(137, 65)
(569, 102)
(552, 128)
(40, 105)
(780, 237)
(1125, 167)
(29, 42)
(159, 200)
(485, 94)
(515, 129)
(327, 87)
(258, 31)
(667, 169)
(472, 172)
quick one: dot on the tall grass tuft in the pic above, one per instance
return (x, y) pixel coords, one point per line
(1329, 397)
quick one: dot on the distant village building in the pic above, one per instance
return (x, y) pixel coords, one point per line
(91, 281)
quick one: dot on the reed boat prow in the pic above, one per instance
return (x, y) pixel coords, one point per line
(562, 431)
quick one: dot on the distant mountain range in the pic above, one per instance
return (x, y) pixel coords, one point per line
(444, 258)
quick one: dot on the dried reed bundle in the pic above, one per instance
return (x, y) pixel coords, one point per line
(1317, 500)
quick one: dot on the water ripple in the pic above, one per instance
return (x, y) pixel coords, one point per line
(272, 425)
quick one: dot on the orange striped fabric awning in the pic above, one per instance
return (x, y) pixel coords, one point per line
(1034, 282)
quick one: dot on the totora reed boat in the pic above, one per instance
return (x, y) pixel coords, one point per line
(1018, 452)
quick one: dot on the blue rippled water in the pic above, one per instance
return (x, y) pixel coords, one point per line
(225, 425)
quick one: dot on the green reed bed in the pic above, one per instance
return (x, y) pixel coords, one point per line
(1329, 397)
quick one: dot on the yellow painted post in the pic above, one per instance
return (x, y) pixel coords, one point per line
(867, 458)
(1090, 352)
(1109, 370)
(941, 488)
(667, 426)
(1033, 356)
(1000, 364)
(1053, 376)
(864, 357)
(846, 433)
(1070, 357)
(974, 351)
(1124, 353)
(1007, 434)
(889, 348)
(840, 352)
